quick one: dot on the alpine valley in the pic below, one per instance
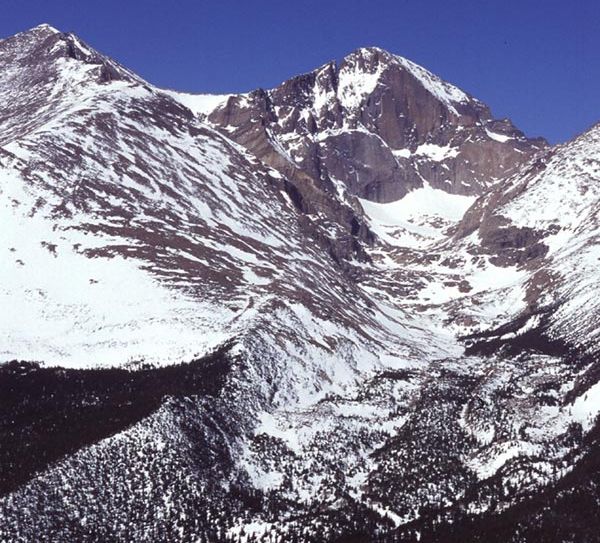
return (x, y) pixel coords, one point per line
(352, 308)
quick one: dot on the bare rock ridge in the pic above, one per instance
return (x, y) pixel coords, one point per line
(378, 125)
(517, 224)
(355, 307)
(34, 63)
(375, 126)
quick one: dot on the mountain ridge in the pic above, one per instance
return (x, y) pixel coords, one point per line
(421, 114)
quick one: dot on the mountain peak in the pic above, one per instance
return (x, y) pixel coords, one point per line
(44, 27)
(369, 57)
(377, 60)
(396, 125)
(369, 51)
(43, 70)
(44, 45)
(39, 32)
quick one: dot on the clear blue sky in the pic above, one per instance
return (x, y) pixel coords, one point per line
(535, 61)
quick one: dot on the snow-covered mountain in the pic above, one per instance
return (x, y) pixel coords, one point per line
(355, 305)
(376, 125)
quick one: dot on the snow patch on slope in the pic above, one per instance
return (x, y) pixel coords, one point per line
(72, 310)
(199, 104)
(412, 216)
(501, 138)
(585, 409)
(355, 84)
(436, 153)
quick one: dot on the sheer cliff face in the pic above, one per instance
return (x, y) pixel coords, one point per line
(347, 306)
(379, 126)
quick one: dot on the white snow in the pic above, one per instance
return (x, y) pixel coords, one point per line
(199, 104)
(436, 152)
(322, 93)
(402, 153)
(355, 83)
(72, 310)
(83, 49)
(502, 138)
(405, 221)
(585, 408)
(422, 201)
(490, 460)
(249, 531)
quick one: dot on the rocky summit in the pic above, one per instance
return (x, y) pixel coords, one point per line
(352, 308)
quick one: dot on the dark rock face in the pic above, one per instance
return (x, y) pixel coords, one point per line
(376, 126)
(380, 126)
